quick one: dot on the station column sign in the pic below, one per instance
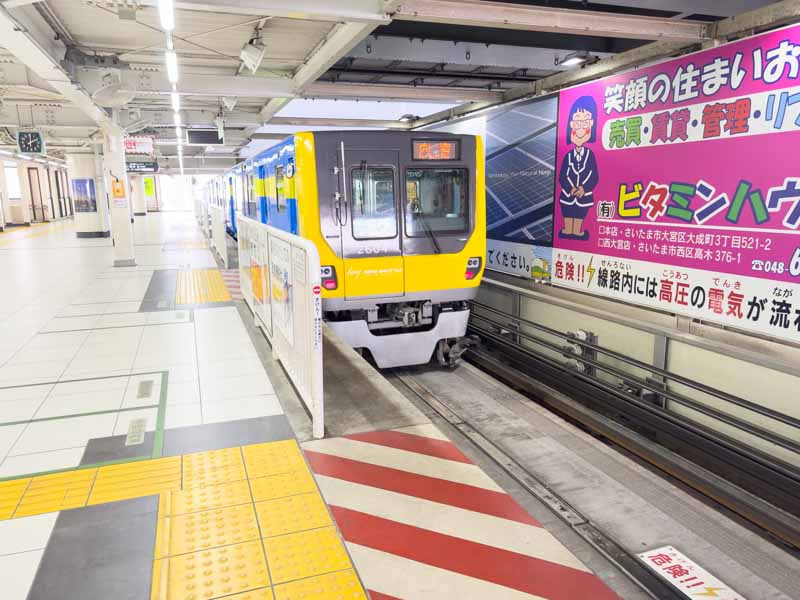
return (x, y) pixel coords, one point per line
(677, 186)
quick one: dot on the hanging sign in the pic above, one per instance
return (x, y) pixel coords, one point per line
(139, 144)
(141, 166)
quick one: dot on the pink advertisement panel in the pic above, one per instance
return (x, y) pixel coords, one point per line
(678, 185)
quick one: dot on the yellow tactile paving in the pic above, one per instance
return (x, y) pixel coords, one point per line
(215, 521)
(210, 573)
(292, 514)
(59, 491)
(262, 594)
(201, 286)
(10, 494)
(136, 479)
(343, 585)
(285, 484)
(191, 500)
(228, 473)
(305, 554)
(273, 458)
(207, 529)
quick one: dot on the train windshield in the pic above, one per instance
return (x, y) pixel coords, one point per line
(374, 215)
(436, 201)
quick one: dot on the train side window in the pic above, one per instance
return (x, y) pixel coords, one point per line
(280, 188)
(436, 201)
(374, 215)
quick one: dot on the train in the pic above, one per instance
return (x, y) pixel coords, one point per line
(399, 220)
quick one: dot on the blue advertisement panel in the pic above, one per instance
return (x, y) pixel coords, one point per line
(83, 195)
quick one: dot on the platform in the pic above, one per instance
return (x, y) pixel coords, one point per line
(146, 453)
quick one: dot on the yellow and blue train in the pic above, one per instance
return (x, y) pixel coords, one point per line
(399, 221)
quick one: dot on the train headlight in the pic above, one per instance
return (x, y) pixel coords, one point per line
(328, 276)
(473, 267)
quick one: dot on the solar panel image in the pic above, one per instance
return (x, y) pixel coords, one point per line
(520, 172)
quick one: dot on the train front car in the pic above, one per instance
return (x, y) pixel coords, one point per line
(400, 222)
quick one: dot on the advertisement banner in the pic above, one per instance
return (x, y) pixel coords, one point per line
(677, 185)
(280, 268)
(83, 195)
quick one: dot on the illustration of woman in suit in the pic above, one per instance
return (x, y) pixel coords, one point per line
(578, 176)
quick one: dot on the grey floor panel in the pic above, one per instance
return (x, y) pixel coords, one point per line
(160, 294)
(199, 438)
(113, 448)
(103, 551)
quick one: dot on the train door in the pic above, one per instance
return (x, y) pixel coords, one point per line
(232, 202)
(370, 228)
(261, 193)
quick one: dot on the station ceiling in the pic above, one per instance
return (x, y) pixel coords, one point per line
(65, 65)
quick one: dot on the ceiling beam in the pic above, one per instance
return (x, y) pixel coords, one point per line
(362, 91)
(334, 122)
(480, 13)
(155, 82)
(364, 11)
(338, 42)
(455, 53)
(28, 37)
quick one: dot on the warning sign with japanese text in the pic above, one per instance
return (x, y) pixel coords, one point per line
(677, 186)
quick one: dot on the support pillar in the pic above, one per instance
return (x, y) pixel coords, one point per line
(118, 195)
(138, 197)
(89, 203)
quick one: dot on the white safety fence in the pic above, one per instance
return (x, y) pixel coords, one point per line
(201, 213)
(218, 234)
(280, 279)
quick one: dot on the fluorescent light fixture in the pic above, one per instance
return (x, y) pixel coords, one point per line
(176, 101)
(178, 134)
(574, 59)
(176, 118)
(166, 10)
(172, 65)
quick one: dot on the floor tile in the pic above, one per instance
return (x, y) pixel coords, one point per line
(89, 385)
(9, 434)
(225, 435)
(183, 392)
(40, 462)
(143, 390)
(126, 417)
(19, 410)
(63, 433)
(28, 533)
(113, 448)
(71, 324)
(80, 403)
(217, 388)
(241, 408)
(17, 572)
(114, 540)
(183, 415)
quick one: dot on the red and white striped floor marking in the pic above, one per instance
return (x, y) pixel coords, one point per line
(232, 282)
(421, 521)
